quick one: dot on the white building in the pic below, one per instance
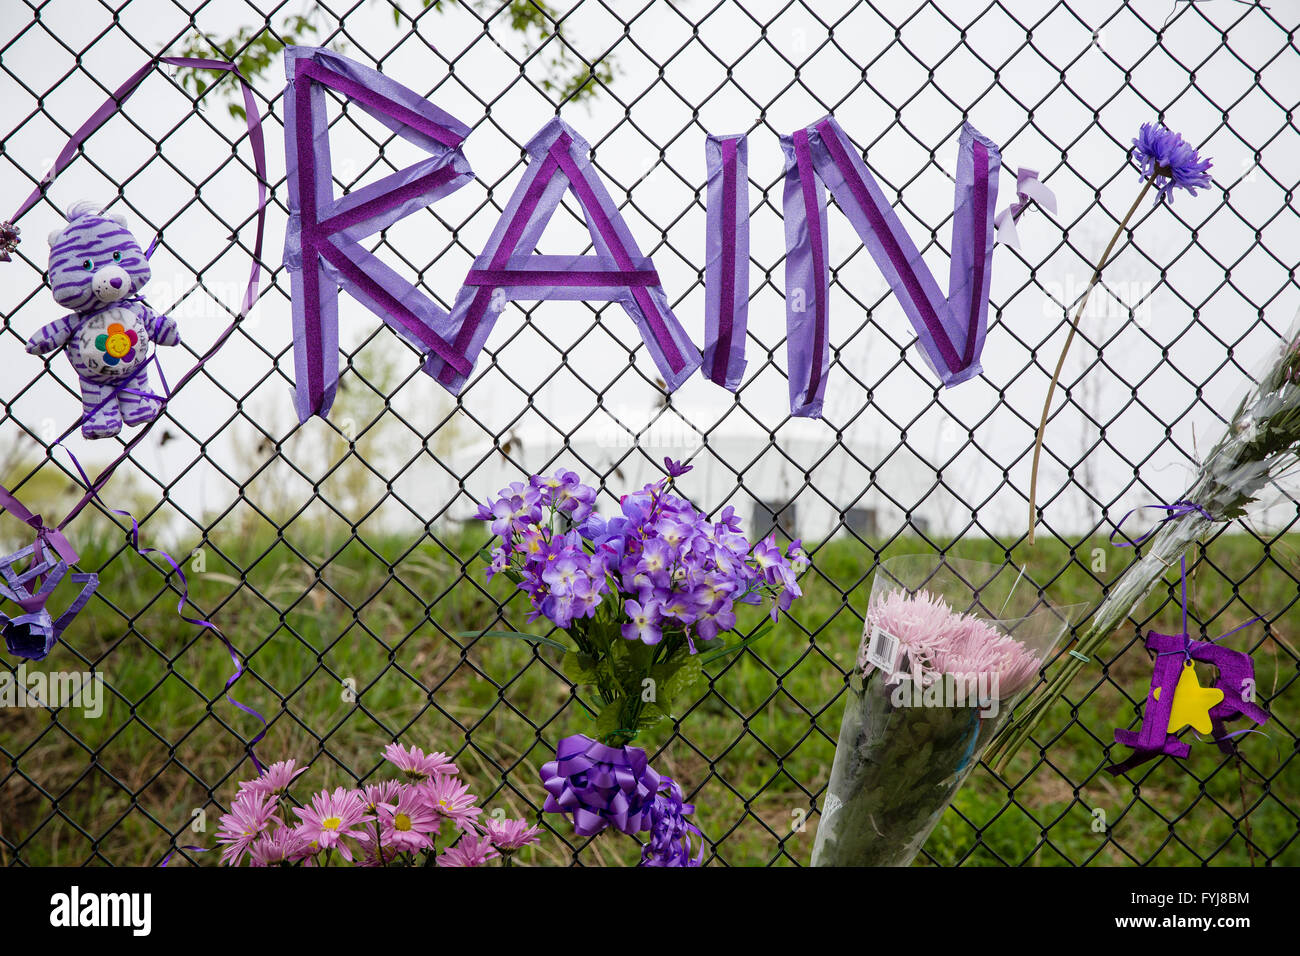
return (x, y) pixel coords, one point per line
(817, 488)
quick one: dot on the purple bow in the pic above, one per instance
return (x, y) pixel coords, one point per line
(670, 832)
(1028, 190)
(33, 634)
(600, 786)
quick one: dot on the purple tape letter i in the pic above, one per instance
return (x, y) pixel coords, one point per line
(726, 270)
(617, 273)
(950, 330)
(322, 249)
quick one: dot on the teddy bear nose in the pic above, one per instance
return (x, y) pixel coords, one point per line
(115, 282)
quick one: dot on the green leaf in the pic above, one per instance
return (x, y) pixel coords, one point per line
(610, 720)
(681, 686)
(711, 656)
(580, 668)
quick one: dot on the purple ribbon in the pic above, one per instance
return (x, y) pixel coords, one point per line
(1028, 190)
(33, 634)
(949, 330)
(616, 273)
(8, 502)
(323, 250)
(600, 786)
(183, 590)
(726, 270)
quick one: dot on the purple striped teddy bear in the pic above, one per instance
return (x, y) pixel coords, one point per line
(96, 269)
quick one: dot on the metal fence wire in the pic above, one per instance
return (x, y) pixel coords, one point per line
(340, 556)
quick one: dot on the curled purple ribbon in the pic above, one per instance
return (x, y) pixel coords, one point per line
(9, 502)
(183, 589)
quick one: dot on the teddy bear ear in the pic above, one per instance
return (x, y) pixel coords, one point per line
(54, 236)
(117, 217)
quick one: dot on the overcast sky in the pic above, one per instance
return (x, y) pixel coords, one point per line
(1059, 103)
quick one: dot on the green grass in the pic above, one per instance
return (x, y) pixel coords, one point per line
(755, 751)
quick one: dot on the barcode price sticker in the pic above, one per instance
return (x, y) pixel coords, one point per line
(883, 650)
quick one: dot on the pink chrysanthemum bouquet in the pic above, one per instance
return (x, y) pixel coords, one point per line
(425, 816)
(947, 646)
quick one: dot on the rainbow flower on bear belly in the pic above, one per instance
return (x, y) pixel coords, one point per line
(117, 344)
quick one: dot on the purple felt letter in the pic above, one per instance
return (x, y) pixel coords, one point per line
(322, 249)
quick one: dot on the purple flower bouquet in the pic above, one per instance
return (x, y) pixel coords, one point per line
(947, 648)
(642, 595)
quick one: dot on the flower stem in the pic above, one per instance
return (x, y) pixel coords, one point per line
(1060, 363)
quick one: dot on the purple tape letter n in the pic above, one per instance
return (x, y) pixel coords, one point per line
(950, 330)
(726, 269)
(617, 273)
(322, 249)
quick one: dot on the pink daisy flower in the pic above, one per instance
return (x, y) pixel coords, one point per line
(275, 779)
(373, 795)
(249, 816)
(510, 835)
(332, 817)
(407, 824)
(469, 852)
(416, 764)
(282, 847)
(450, 799)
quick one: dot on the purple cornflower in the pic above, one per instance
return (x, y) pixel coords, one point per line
(416, 765)
(676, 469)
(511, 835)
(1162, 153)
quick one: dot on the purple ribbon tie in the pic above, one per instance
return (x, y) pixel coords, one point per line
(1028, 190)
(46, 573)
(950, 330)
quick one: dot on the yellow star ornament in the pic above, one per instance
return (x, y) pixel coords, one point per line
(1192, 702)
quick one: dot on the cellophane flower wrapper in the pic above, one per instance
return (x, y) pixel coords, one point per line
(1256, 458)
(909, 740)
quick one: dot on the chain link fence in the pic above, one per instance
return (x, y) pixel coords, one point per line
(340, 558)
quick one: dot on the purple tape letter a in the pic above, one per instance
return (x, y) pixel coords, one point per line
(950, 330)
(617, 273)
(322, 249)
